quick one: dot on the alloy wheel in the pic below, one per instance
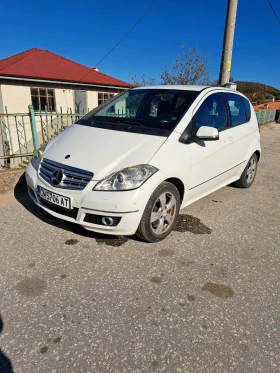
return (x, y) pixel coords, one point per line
(163, 213)
(251, 170)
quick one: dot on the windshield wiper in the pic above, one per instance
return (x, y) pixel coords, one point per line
(132, 121)
(121, 120)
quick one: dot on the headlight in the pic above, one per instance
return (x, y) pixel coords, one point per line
(37, 156)
(126, 179)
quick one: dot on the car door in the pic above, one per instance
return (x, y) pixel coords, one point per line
(211, 161)
(242, 130)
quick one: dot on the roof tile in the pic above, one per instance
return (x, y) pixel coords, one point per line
(42, 64)
(271, 106)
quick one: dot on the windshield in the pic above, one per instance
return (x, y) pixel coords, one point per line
(150, 108)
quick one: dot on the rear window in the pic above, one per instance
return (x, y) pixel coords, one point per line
(236, 108)
(247, 108)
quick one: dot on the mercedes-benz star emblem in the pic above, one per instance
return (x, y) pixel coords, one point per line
(57, 177)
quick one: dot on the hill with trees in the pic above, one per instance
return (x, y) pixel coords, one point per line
(257, 92)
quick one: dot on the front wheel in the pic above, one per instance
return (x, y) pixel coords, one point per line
(160, 214)
(248, 175)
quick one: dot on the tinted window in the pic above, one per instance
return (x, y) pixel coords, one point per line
(236, 109)
(211, 113)
(247, 107)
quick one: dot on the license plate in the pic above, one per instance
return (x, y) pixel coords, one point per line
(54, 198)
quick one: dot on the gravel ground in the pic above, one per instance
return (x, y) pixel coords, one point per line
(206, 299)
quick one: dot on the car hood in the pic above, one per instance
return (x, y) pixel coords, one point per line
(102, 151)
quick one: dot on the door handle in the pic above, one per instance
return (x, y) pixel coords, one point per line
(228, 139)
(250, 129)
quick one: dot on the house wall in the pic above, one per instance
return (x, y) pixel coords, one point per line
(64, 99)
(1, 101)
(16, 98)
(92, 99)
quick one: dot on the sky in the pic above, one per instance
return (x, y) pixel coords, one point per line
(84, 31)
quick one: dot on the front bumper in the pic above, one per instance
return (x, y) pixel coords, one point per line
(126, 205)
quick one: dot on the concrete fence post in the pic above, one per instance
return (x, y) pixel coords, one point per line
(33, 127)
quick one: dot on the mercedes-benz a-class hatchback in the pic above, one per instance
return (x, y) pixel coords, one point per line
(132, 163)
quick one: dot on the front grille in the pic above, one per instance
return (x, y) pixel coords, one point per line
(73, 178)
(97, 219)
(60, 210)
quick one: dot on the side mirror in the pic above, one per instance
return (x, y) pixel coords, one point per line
(207, 134)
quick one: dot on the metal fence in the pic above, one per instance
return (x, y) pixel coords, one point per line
(265, 116)
(22, 133)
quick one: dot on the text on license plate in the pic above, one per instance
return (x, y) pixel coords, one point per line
(54, 198)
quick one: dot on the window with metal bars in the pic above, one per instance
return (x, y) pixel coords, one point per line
(43, 99)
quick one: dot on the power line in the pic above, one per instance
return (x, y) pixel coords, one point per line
(273, 11)
(126, 33)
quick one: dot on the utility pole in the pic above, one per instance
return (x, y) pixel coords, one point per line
(228, 42)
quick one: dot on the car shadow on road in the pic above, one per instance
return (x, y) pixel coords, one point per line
(21, 195)
(5, 362)
(185, 223)
(233, 185)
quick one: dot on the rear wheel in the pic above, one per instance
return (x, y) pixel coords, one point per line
(248, 175)
(160, 214)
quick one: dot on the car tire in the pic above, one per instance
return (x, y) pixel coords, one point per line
(248, 175)
(160, 213)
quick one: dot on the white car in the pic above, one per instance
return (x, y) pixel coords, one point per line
(132, 163)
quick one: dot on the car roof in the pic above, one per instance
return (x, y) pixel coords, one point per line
(181, 87)
(197, 88)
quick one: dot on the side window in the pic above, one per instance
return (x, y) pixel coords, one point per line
(236, 109)
(247, 108)
(211, 113)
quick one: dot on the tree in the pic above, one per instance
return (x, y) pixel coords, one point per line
(143, 81)
(189, 68)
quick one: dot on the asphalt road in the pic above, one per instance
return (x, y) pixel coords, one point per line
(207, 299)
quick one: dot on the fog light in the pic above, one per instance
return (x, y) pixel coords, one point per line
(106, 220)
(110, 221)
